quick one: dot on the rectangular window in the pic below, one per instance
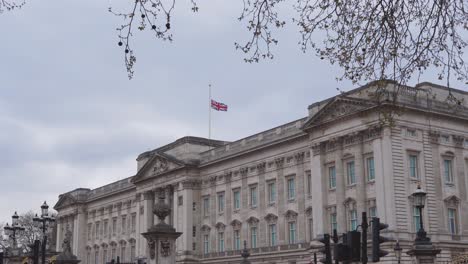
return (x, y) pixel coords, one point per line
(133, 222)
(220, 242)
(206, 244)
(333, 223)
(448, 171)
(96, 257)
(113, 251)
(220, 202)
(410, 132)
(206, 206)
(253, 237)
(123, 255)
(104, 256)
(97, 230)
(237, 240)
(416, 219)
(291, 189)
(272, 232)
(292, 232)
(353, 220)
(370, 169)
(309, 183)
(350, 173)
(106, 228)
(413, 166)
(372, 211)
(237, 201)
(124, 224)
(90, 230)
(114, 226)
(452, 221)
(253, 196)
(332, 177)
(271, 192)
(180, 200)
(311, 229)
(132, 253)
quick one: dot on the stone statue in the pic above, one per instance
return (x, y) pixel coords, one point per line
(67, 257)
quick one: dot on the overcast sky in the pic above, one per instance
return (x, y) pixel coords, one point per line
(69, 116)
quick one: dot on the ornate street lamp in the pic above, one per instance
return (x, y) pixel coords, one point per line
(398, 250)
(43, 222)
(419, 200)
(12, 230)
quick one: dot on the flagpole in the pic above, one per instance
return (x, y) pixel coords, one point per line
(209, 113)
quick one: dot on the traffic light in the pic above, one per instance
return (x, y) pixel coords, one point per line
(377, 253)
(326, 249)
(353, 241)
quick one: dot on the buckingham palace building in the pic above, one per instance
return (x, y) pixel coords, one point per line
(365, 150)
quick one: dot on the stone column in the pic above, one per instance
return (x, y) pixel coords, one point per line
(187, 215)
(228, 207)
(263, 198)
(319, 190)
(424, 253)
(59, 234)
(282, 197)
(138, 230)
(148, 218)
(300, 197)
(340, 187)
(361, 179)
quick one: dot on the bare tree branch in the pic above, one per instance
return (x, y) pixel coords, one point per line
(8, 5)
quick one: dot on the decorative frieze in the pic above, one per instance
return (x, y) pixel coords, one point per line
(299, 157)
(261, 167)
(279, 162)
(213, 179)
(458, 140)
(191, 184)
(244, 171)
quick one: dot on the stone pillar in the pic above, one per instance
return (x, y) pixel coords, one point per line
(424, 254)
(263, 198)
(59, 234)
(319, 190)
(361, 179)
(300, 197)
(340, 188)
(282, 197)
(148, 218)
(138, 230)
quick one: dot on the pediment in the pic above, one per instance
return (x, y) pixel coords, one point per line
(159, 164)
(338, 108)
(64, 201)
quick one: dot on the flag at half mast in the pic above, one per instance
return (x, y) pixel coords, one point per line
(218, 106)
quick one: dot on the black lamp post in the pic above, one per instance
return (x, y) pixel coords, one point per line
(398, 250)
(419, 199)
(43, 222)
(13, 229)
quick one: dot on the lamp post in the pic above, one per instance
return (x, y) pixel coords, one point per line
(12, 230)
(419, 199)
(398, 250)
(43, 222)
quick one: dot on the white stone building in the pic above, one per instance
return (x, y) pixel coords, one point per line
(280, 188)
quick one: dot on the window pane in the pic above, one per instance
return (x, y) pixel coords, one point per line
(370, 169)
(448, 171)
(350, 172)
(416, 219)
(291, 189)
(331, 177)
(413, 166)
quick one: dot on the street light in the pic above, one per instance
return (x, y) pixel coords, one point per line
(419, 199)
(398, 250)
(13, 229)
(44, 220)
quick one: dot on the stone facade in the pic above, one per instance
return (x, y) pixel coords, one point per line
(361, 151)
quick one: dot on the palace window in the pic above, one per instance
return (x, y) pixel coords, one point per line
(123, 255)
(206, 244)
(309, 183)
(96, 256)
(413, 166)
(452, 220)
(90, 230)
(124, 224)
(206, 206)
(97, 230)
(114, 226)
(353, 220)
(416, 219)
(271, 192)
(220, 242)
(332, 177)
(236, 199)
(291, 189)
(311, 228)
(113, 251)
(220, 202)
(253, 237)
(370, 169)
(272, 234)
(333, 222)
(104, 255)
(292, 232)
(372, 212)
(410, 132)
(350, 173)
(106, 228)
(253, 196)
(133, 222)
(448, 171)
(132, 252)
(237, 240)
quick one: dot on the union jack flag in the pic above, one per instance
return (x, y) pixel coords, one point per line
(218, 106)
